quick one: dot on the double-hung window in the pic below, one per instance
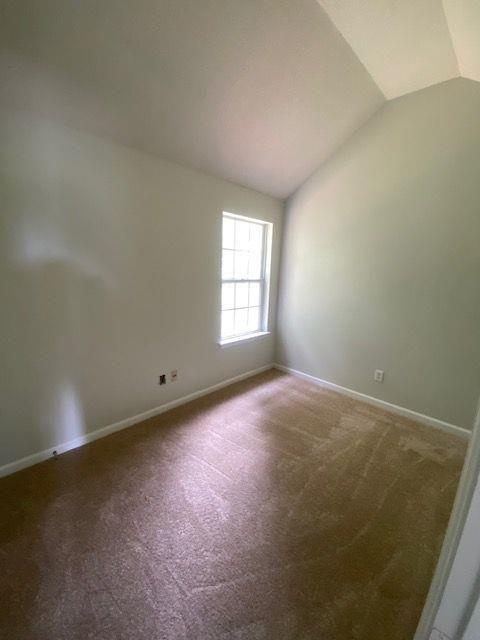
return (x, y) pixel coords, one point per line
(246, 252)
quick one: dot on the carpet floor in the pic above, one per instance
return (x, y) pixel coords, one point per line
(272, 509)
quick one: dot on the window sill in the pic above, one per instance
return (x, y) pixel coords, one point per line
(249, 337)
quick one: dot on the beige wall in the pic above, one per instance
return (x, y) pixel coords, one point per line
(109, 276)
(381, 259)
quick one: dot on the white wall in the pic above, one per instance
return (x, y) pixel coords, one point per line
(380, 264)
(472, 631)
(464, 578)
(453, 604)
(109, 276)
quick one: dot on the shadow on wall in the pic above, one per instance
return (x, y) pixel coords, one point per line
(54, 290)
(42, 405)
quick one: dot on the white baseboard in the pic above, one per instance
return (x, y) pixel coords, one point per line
(35, 458)
(383, 404)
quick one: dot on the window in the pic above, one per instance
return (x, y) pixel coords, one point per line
(245, 270)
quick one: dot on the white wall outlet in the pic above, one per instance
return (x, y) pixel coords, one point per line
(173, 375)
(379, 375)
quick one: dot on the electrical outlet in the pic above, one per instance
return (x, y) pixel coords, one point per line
(173, 375)
(379, 375)
(162, 379)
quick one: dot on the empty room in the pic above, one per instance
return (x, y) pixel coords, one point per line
(240, 319)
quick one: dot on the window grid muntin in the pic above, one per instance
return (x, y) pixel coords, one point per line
(261, 281)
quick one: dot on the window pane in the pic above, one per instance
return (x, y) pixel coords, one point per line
(227, 323)
(228, 233)
(227, 264)
(241, 321)
(256, 238)
(228, 296)
(241, 295)
(254, 298)
(254, 319)
(255, 266)
(241, 265)
(242, 235)
(243, 273)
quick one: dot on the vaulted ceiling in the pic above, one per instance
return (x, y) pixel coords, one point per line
(259, 92)
(408, 45)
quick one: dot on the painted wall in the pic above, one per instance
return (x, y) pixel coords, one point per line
(455, 589)
(462, 589)
(381, 259)
(472, 631)
(109, 276)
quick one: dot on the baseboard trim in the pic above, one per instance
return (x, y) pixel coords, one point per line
(35, 458)
(383, 404)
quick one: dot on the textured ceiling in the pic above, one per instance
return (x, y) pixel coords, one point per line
(259, 92)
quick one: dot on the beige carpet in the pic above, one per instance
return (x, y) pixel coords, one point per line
(270, 510)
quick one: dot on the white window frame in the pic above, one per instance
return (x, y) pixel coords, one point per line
(264, 281)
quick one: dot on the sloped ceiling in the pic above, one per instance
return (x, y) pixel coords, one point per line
(256, 91)
(404, 44)
(259, 92)
(463, 18)
(408, 45)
